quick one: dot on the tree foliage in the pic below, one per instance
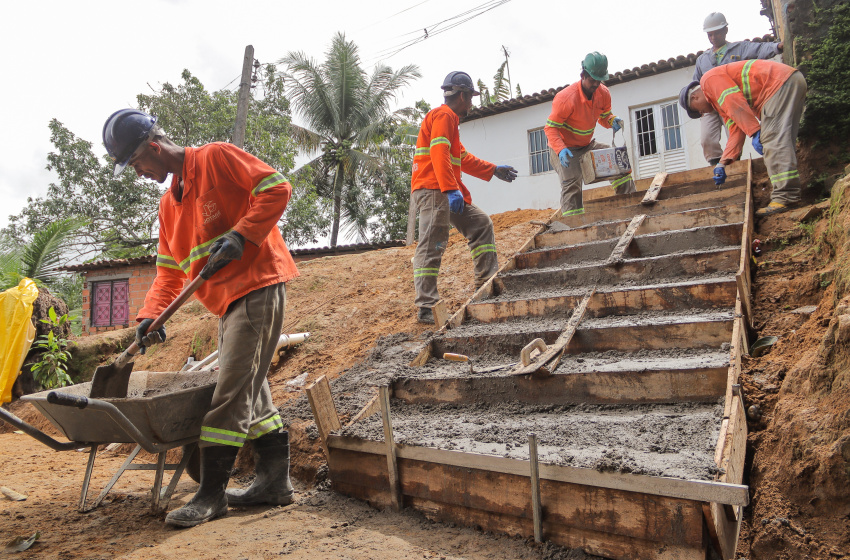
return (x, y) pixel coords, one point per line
(38, 258)
(120, 213)
(501, 88)
(348, 118)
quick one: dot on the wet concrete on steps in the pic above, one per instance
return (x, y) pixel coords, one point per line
(673, 440)
(540, 290)
(642, 360)
(516, 295)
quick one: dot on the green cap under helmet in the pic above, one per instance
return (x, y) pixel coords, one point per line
(596, 64)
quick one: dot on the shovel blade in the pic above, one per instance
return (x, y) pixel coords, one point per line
(110, 382)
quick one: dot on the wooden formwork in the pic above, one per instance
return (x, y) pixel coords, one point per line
(615, 515)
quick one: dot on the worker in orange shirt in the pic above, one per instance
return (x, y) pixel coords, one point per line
(575, 111)
(218, 220)
(442, 199)
(761, 99)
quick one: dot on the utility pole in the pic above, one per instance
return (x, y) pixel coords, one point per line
(244, 97)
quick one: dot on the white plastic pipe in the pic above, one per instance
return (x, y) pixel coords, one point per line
(285, 342)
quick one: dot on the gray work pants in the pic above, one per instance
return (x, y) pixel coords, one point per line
(435, 221)
(572, 202)
(780, 122)
(710, 126)
(242, 407)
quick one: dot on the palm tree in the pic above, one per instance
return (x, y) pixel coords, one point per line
(39, 258)
(347, 114)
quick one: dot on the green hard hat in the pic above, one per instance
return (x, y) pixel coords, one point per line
(596, 64)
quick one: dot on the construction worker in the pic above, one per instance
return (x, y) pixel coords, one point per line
(761, 99)
(443, 200)
(575, 111)
(719, 54)
(218, 219)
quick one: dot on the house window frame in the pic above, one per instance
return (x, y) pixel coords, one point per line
(659, 130)
(92, 286)
(543, 151)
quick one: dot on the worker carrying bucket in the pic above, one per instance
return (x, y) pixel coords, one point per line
(575, 111)
(218, 221)
(761, 99)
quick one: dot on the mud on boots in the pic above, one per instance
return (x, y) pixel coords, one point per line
(272, 485)
(210, 501)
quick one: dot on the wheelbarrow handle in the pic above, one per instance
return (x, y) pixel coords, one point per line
(65, 399)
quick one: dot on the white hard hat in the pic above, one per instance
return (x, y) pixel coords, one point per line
(714, 21)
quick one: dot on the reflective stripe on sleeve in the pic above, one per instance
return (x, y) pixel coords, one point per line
(267, 183)
(731, 90)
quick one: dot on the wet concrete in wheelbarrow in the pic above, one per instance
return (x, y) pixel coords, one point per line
(673, 440)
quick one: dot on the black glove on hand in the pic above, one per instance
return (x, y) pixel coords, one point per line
(505, 173)
(226, 248)
(145, 338)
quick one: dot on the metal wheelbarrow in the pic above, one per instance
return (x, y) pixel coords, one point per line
(161, 411)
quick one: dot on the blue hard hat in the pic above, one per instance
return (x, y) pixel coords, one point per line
(123, 133)
(683, 100)
(459, 81)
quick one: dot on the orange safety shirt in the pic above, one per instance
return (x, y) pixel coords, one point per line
(224, 189)
(440, 158)
(738, 91)
(574, 116)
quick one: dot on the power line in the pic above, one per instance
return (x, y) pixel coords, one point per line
(394, 15)
(436, 29)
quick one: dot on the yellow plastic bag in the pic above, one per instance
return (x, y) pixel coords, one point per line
(16, 333)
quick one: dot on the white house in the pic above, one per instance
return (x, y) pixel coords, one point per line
(659, 134)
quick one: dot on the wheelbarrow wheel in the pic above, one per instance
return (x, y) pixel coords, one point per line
(193, 468)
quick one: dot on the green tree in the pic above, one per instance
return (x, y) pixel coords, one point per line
(40, 256)
(348, 117)
(501, 88)
(120, 213)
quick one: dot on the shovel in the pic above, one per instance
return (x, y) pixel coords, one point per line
(110, 382)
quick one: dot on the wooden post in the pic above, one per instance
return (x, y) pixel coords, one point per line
(625, 240)
(324, 411)
(392, 460)
(441, 316)
(244, 98)
(535, 488)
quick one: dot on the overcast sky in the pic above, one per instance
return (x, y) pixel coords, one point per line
(79, 61)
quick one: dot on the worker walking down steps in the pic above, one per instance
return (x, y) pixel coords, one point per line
(442, 199)
(720, 53)
(218, 220)
(575, 111)
(761, 99)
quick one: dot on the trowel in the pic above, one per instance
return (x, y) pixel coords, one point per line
(111, 381)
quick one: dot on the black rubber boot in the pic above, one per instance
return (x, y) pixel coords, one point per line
(210, 501)
(425, 315)
(271, 463)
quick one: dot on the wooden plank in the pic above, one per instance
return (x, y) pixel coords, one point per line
(324, 411)
(535, 488)
(654, 188)
(723, 533)
(704, 200)
(424, 355)
(645, 270)
(372, 407)
(671, 192)
(621, 387)
(743, 277)
(392, 461)
(563, 340)
(711, 294)
(685, 219)
(617, 254)
(696, 490)
(441, 315)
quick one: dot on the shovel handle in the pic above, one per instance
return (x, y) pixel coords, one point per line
(65, 399)
(163, 317)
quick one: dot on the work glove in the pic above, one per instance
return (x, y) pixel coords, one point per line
(226, 248)
(505, 173)
(719, 175)
(617, 124)
(757, 143)
(455, 201)
(565, 155)
(145, 338)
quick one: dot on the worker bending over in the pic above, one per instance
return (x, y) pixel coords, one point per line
(575, 111)
(761, 99)
(222, 207)
(442, 199)
(719, 54)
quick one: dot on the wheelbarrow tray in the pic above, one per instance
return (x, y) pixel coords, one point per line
(163, 406)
